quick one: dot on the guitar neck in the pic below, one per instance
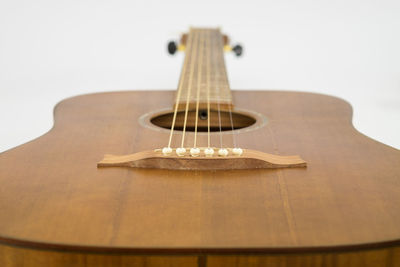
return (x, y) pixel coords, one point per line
(204, 78)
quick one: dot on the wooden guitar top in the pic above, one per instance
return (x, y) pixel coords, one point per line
(52, 195)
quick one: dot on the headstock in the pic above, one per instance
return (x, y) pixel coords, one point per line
(174, 46)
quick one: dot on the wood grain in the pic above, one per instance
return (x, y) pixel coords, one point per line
(372, 258)
(154, 159)
(52, 195)
(204, 72)
(20, 256)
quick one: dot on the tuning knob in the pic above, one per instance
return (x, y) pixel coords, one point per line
(172, 47)
(238, 50)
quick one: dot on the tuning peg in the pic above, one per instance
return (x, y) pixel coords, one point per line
(238, 50)
(172, 47)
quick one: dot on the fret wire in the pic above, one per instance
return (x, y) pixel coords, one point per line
(203, 45)
(224, 92)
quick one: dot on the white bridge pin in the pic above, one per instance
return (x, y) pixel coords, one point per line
(208, 152)
(180, 151)
(237, 151)
(223, 152)
(195, 151)
(166, 151)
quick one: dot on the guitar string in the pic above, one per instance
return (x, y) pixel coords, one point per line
(180, 86)
(229, 106)
(216, 80)
(208, 90)
(199, 70)
(233, 129)
(192, 64)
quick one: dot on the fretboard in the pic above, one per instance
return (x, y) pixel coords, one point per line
(204, 78)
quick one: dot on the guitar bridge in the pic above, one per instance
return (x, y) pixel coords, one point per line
(155, 159)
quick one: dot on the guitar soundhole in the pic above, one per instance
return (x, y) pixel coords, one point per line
(239, 120)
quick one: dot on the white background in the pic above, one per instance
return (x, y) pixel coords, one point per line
(50, 50)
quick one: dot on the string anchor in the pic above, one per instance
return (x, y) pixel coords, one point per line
(237, 151)
(209, 152)
(166, 151)
(223, 152)
(194, 151)
(250, 159)
(180, 151)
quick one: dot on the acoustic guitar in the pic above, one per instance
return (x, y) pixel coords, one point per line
(203, 176)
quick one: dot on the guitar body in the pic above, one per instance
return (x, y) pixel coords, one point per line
(58, 209)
